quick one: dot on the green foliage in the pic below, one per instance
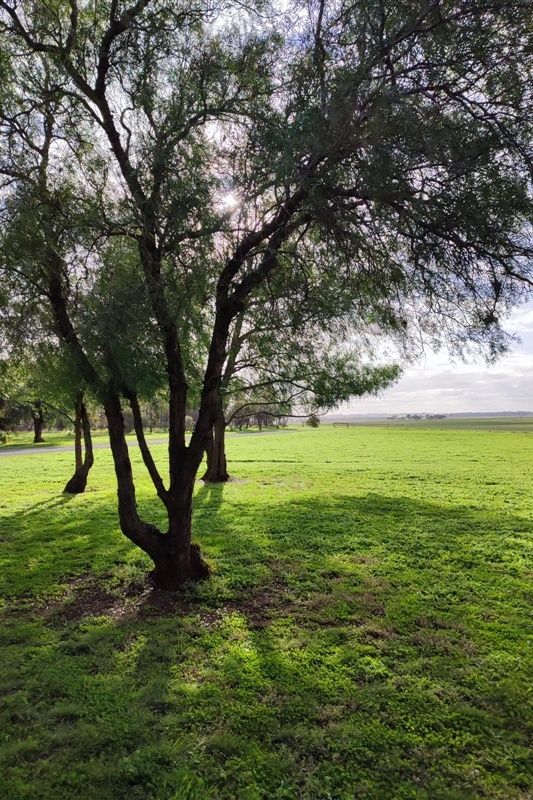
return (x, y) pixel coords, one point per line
(365, 632)
(11, 415)
(40, 381)
(414, 201)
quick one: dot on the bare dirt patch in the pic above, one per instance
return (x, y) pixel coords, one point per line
(85, 596)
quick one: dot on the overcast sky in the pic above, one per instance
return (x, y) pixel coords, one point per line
(437, 384)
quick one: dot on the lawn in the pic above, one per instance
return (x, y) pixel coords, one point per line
(366, 633)
(24, 439)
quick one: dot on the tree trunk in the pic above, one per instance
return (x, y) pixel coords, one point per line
(38, 423)
(175, 559)
(78, 455)
(78, 483)
(217, 467)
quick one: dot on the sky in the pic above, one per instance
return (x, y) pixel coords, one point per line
(438, 384)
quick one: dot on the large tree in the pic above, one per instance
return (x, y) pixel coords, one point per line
(282, 361)
(389, 141)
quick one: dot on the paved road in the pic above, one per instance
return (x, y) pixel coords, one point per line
(67, 448)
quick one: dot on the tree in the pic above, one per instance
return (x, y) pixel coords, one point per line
(45, 373)
(284, 353)
(10, 417)
(312, 421)
(280, 373)
(388, 141)
(84, 457)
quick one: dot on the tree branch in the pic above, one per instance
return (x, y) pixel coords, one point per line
(145, 451)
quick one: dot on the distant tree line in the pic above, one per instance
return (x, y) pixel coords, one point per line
(418, 416)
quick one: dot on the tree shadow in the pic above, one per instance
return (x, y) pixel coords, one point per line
(305, 540)
(54, 540)
(51, 503)
(208, 500)
(352, 635)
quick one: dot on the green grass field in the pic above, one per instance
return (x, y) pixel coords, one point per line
(493, 424)
(16, 441)
(366, 634)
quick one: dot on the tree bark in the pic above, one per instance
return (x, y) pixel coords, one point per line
(176, 559)
(78, 455)
(217, 466)
(78, 483)
(38, 423)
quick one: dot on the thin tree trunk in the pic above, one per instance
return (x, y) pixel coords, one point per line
(38, 423)
(78, 483)
(217, 466)
(78, 455)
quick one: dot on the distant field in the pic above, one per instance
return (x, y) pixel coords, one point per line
(516, 424)
(366, 633)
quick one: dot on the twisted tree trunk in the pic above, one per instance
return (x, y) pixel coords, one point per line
(78, 483)
(176, 559)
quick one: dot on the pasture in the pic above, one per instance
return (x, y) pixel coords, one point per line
(513, 424)
(366, 633)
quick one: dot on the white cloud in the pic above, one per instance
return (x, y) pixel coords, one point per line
(521, 320)
(439, 385)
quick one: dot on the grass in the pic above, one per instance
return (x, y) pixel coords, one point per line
(366, 632)
(24, 439)
(510, 424)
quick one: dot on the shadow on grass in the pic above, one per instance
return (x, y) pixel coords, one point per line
(208, 499)
(343, 648)
(266, 461)
(49, 504)
(443, 556)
